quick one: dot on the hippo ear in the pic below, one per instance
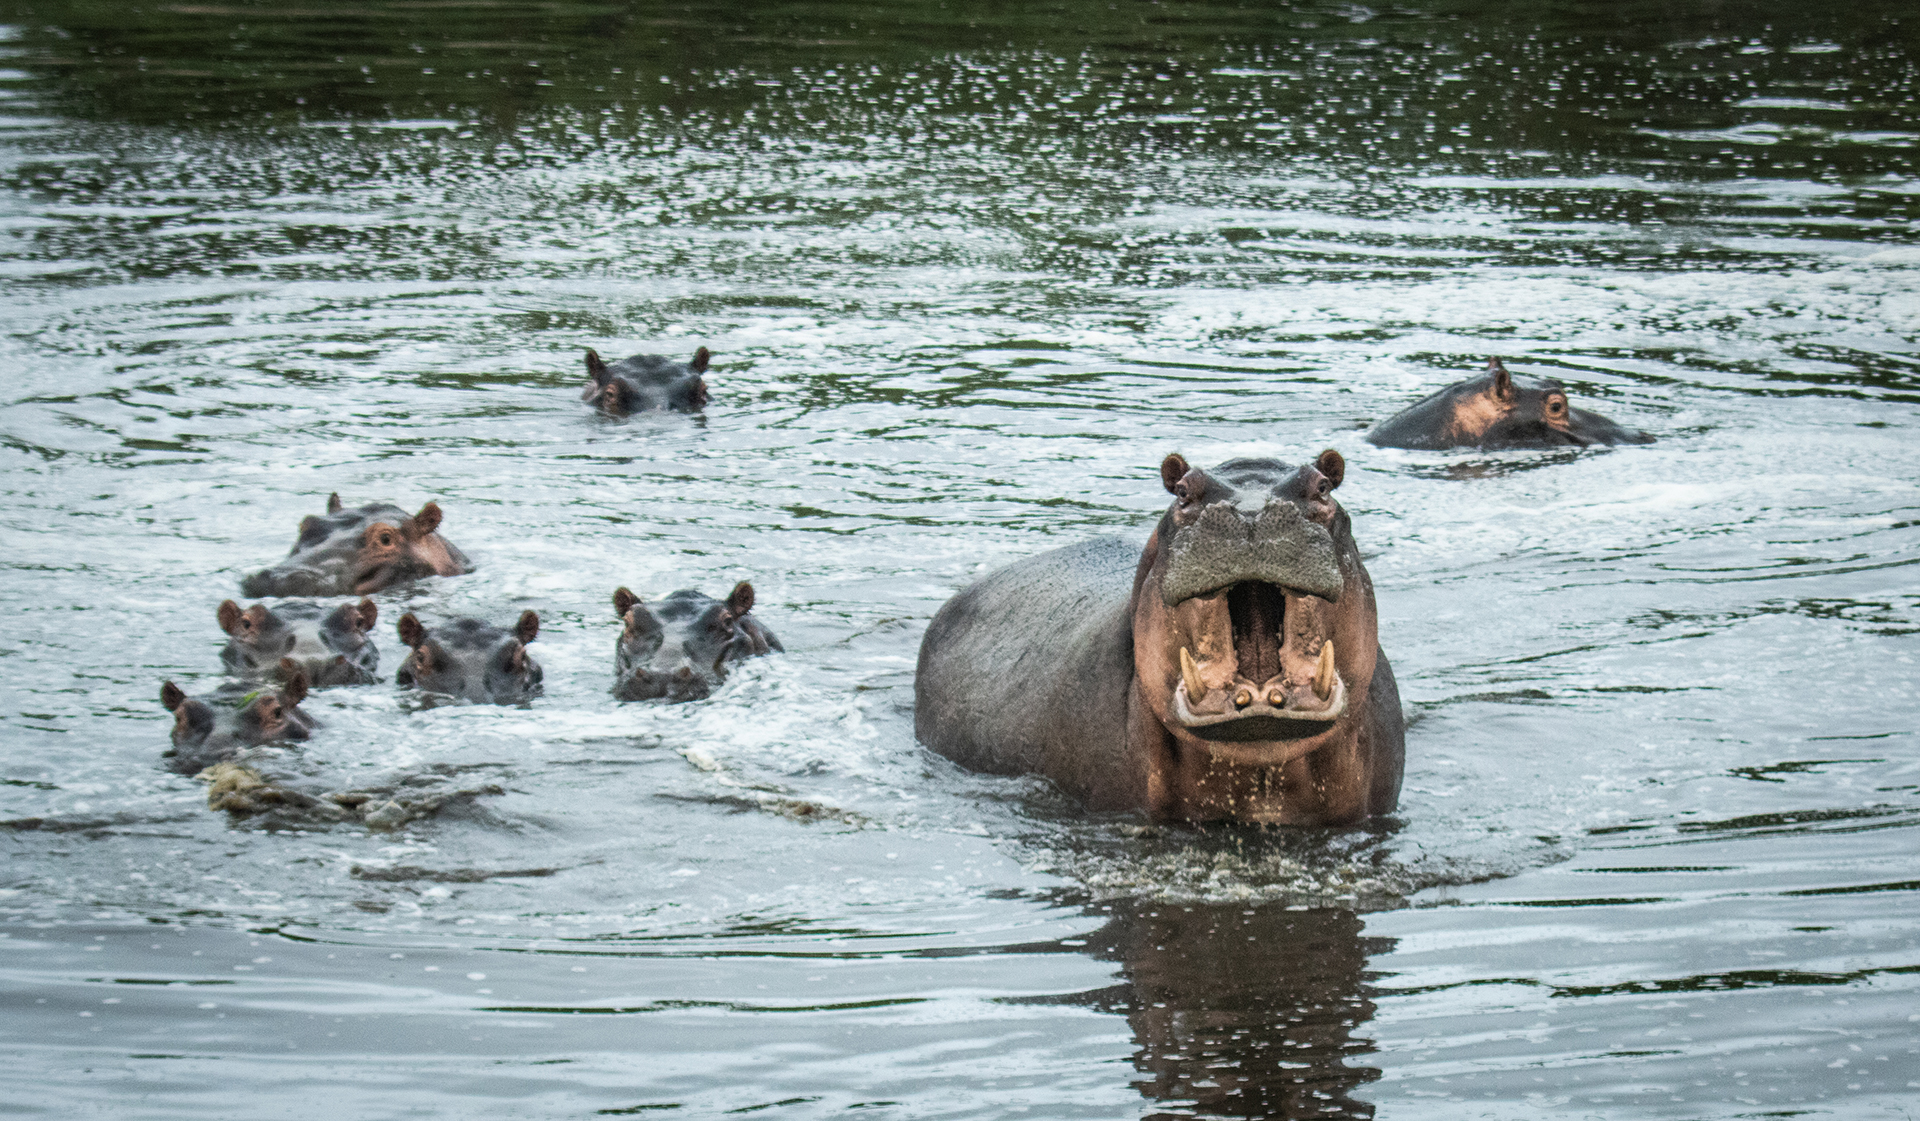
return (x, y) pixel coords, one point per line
(365, 614)
(623, 601)
(309, 523)
(1333, 466)
(333, 503)
(295, 689)
(700, 359)
(229, 615)
(528, 628)
(1172, 470)
(1502, 381)
(596, 367)
(741, 600)
(411, 631)
(423, 523)
(171, 698)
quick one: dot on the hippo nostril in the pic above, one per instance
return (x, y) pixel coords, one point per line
(684, 673)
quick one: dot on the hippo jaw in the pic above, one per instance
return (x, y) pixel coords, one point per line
(1257, 666)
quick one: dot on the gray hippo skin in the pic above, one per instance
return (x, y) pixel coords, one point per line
(472, 660)
(214, 728)
(329, 643)
(678, 649)
(647, 381)
(1498, 410)
(1229, 669)
(360, 551)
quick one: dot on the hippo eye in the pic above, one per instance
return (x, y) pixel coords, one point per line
(1556, 407)
(386, 539)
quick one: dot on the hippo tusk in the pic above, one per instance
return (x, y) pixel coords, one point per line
(1190, 673)
(1323, 676)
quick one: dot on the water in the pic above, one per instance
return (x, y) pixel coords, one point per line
(968, 277)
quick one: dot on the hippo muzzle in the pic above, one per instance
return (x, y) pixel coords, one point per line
(1251, 576)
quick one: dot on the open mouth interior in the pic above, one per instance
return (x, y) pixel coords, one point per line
(1251, 671)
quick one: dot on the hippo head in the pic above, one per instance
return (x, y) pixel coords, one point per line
(1499, 410)
(208, 729)
(360, 551)
(330, 644)
(678, 649)
(647, 381)
(472, 660)
(1253, 621)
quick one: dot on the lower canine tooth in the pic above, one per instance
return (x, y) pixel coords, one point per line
(1276, 698)
(1242, 699)
(1323, 676)
(1190, 673)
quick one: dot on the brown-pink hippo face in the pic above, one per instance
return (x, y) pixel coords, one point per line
(472, 660)
(214, 727)
(647, 381)
(360, 551)
(331, 643)
(1254, 628)
(1499, 410)
(678, 649)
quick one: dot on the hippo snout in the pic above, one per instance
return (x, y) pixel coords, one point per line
(682, 683)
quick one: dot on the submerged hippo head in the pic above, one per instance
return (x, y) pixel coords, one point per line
(209, 729)
(678, 649)
(329, 644)
(472, 660)
(1254, 630)
(1498, 410)
(360, 551)
(647, 381)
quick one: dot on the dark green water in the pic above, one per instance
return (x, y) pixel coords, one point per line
(969, 273)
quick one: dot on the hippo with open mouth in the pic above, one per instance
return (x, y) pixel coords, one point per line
(330, 643)
(218, 726)
(1497, 410)
(1230, 670)
(360, 551)
(678, 649)
(472, 660)
(647, 381)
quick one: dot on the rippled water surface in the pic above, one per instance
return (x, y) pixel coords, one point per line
(968, 275)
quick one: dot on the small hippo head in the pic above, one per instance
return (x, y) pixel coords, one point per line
(472, 660)
(1499, 410)
(330, 644)
(209, 729)
(647, 381)
(360, 551)
(1254, 626)
(678, 649)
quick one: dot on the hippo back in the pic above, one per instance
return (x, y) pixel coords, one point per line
(1015, 668)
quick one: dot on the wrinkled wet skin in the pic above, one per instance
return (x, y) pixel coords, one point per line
(218, 726)
(678, 649)
(1498, 410)
(471, 660)
(646, 382)
(331, 643)
(360, 551)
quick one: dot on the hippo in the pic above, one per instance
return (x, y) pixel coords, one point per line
(1498, 410)
(1228, 669)
(647, 381)
(678, 649)
(330, 643)
(360, 551)
(215, 728)
(472, 660)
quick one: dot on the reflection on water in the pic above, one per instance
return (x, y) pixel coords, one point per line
(1244, 1011)
(968, 274)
